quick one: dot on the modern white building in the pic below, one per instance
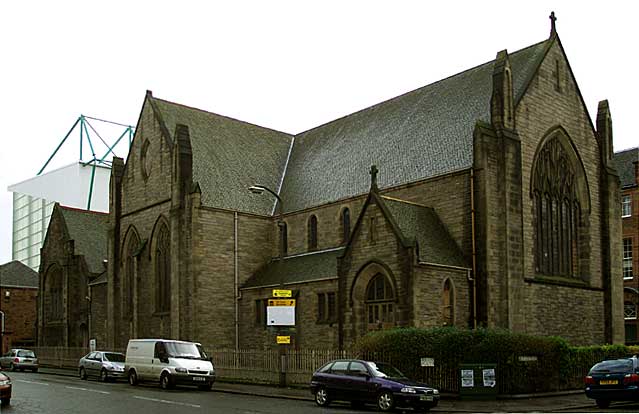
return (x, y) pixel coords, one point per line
(80, 185)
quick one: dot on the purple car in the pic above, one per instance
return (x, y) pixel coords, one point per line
(362, 382)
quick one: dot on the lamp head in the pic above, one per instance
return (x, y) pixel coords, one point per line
(256, 189)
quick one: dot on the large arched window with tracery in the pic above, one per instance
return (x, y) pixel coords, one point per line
(132, 248)
(380, 300)
(163, 269)
(557, 211)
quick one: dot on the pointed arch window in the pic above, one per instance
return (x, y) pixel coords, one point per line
(312, 233)
(284, 237)
(129, 275)
(54, 290)
(163, 269)
(557, 212)
(448, 303)
(380, 300)
(346, 225)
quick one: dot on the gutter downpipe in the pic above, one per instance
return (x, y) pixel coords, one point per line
(474, 252)
(236, 282)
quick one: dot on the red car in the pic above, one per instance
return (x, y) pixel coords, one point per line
(5, 389)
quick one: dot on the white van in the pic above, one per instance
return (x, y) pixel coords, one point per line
(168, 362)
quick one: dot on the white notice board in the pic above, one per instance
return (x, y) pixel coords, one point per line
(280, 315)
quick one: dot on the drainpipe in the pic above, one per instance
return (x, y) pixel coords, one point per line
(474, 252)
(236, 282)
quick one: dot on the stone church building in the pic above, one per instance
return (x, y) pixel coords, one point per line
(485, 199)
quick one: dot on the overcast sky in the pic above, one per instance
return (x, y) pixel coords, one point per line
(287, 65)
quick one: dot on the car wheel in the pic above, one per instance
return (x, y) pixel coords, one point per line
(133, 377)
(321, 397)
(165, 381)
(83, 374)
(385, 401)
(603, 403)
(104, 376)
(34, 370)
(5, 401)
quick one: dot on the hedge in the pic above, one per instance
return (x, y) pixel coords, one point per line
(525, 363)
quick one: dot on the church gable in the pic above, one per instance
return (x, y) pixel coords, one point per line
(149, 168)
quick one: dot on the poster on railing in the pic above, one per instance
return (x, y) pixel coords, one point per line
(467, 379)
(489, 377)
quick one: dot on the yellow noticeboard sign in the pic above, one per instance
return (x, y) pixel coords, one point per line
(283, 339)
(282, 293)
(281, 302)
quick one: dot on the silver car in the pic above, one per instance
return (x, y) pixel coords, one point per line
(102, 364)
(19, 359)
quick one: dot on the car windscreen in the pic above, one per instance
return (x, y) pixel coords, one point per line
(383, 370)
(113, 357)
(184, 350)
(613, 366)
(26, 354)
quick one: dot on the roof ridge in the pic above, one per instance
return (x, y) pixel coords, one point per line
(626, 150)
(222, 116)
(416, 90)
(405, 201)
(79, 210)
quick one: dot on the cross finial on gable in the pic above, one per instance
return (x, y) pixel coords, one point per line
(553, 27)
(373, 173)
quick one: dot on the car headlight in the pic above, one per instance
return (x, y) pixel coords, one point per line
(5, 382)
(435, 391)
(408, 390)
(180, 370)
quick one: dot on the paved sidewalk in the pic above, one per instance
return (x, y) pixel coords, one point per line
(552, 402)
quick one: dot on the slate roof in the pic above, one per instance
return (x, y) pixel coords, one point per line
(17, 274)
(420, 224)
(420, 134)
(297, 269)
(89, 230)
(229, 156)
(623, 162)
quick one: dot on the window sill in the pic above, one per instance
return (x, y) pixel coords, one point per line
(561, 281)
(628, 216)
(629, 278)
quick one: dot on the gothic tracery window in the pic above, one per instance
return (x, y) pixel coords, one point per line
(380, 302)
(163, 269)
(557, 212)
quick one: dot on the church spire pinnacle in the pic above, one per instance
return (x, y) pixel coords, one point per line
(553, 26)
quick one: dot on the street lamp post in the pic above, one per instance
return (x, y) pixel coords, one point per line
(259, 189)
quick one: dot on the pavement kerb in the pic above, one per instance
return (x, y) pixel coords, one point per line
(220, 387)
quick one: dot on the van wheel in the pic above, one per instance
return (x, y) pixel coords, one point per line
(133, 377)
(165, 381)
